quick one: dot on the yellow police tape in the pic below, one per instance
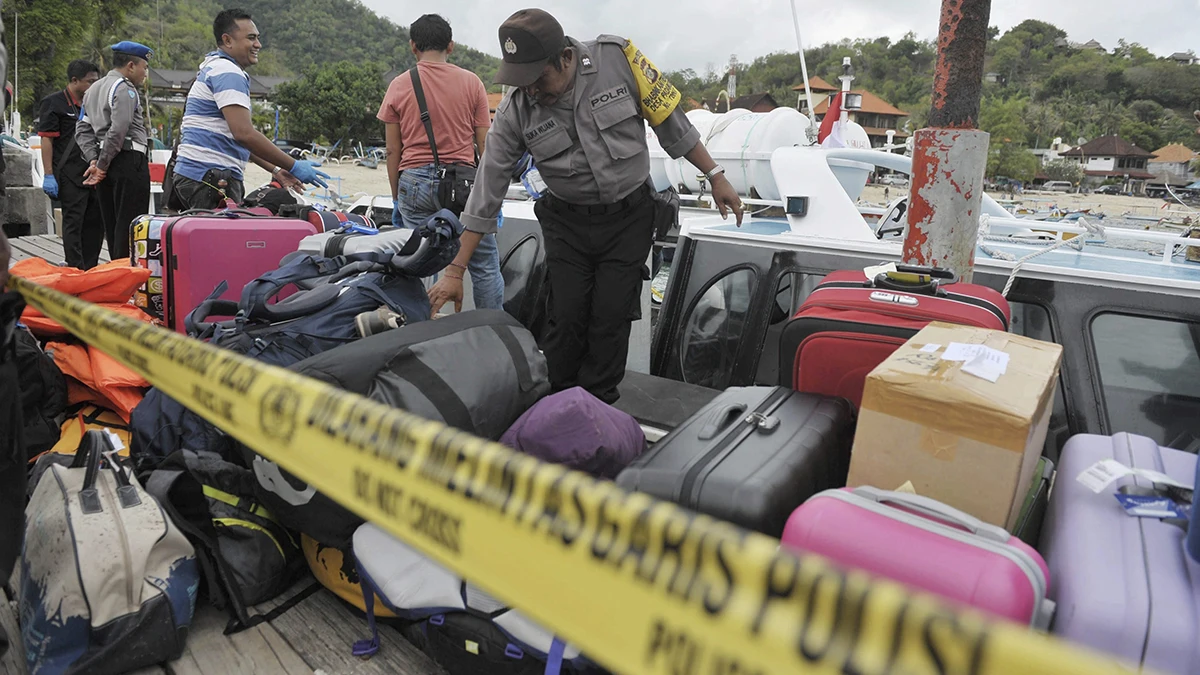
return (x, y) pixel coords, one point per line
(639, 585)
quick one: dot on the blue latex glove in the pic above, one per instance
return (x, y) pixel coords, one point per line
(50, 187)
(397, 219)
(306, 172)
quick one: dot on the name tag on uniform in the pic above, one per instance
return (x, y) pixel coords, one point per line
(540, 130)
(617, 93)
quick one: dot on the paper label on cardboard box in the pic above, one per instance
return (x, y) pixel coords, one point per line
(979, 360)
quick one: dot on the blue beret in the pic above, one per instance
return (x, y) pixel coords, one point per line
(133, 49)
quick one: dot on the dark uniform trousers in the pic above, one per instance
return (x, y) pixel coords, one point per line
(594, 256)
(83, 226)
(124, 195)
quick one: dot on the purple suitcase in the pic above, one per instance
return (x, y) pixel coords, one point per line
(1123, 585)
(580, 431)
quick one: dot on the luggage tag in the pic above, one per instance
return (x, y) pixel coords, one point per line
(1100, 475)
(1152, 506)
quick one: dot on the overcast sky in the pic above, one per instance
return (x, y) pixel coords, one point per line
(694, 33)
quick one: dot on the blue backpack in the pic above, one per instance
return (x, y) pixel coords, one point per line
(314, 320)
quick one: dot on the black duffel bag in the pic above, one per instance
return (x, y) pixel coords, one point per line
(477, 371)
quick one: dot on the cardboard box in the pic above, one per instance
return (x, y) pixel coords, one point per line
(959, 438)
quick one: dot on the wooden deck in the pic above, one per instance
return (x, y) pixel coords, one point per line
(315, 636)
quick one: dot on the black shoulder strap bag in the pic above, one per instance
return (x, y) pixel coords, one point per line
(454, 181)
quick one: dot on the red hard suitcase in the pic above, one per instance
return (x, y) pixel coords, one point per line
(234, 246)
(849, 324)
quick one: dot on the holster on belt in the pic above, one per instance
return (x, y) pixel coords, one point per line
(666, 212)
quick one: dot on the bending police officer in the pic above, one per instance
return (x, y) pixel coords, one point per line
(112, 138)
(580, 110)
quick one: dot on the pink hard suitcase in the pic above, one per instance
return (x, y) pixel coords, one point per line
(927, 545)
(235, 246)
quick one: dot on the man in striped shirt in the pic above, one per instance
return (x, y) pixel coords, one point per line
(218, 136)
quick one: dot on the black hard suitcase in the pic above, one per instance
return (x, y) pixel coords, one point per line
(751, 456)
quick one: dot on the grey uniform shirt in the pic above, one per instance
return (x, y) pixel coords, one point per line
(112, 112)
(590, 147)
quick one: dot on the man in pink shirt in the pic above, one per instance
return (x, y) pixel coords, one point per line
(458, 108)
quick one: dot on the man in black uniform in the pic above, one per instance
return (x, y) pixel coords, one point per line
(82, 226)
(112, 138)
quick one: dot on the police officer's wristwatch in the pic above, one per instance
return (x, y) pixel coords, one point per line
(712, 173)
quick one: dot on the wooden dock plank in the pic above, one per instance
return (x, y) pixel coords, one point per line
(13, 661)
(259, 650)
(322, 629)
(46, 246)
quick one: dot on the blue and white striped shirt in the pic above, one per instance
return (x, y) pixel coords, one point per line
(207, 142)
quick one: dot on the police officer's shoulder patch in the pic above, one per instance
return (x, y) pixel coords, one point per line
(658, 98)
(132, 94)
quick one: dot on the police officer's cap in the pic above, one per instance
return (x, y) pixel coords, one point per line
(528, 39)
(132, 48)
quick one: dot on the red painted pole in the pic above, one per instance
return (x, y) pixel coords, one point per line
(950, 157)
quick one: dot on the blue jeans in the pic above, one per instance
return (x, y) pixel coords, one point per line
(418, 201)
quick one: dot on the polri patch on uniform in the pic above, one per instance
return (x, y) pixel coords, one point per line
(548, 125)
(132, 94)
(621, 91)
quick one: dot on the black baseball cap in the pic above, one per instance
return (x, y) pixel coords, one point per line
(528, 39)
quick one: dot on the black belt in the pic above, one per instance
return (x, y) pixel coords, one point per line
(629, 201)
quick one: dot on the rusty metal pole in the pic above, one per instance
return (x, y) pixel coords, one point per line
(950, 156)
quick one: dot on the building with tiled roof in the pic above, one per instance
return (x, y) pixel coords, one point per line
(876, 117)
(1172, 165)
(1112, 157)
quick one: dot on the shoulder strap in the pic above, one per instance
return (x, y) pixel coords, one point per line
(425, 119)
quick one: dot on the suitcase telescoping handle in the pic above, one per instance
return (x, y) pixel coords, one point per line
(935, 510)
(914, 279)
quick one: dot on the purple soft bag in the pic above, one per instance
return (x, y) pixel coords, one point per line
(580, 431)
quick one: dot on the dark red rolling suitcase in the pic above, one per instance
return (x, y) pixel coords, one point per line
(849, 324)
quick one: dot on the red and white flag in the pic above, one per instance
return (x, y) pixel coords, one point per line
(830, 135)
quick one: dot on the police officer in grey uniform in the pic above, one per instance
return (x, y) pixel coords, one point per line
(112, 138)
(579, 109)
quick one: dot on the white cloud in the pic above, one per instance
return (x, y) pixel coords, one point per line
(698, 32)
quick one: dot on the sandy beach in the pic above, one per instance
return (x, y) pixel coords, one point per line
(351, 181)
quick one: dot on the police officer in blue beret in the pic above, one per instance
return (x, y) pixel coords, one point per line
(112, 138)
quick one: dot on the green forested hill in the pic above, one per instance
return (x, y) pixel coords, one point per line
(1044, 88)
(297, 35)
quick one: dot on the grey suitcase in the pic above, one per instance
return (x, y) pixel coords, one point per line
(751, 456)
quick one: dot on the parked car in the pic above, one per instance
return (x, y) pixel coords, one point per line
(1110, 190)
(894, 179)
(1057, 186)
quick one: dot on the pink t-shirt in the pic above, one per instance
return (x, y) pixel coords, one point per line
(457, 103)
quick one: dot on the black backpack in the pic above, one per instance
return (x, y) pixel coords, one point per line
(246, 557)
(43, 394)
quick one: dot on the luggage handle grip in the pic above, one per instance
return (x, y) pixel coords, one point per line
(936, 510)
(937, 277)
(721, 419)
